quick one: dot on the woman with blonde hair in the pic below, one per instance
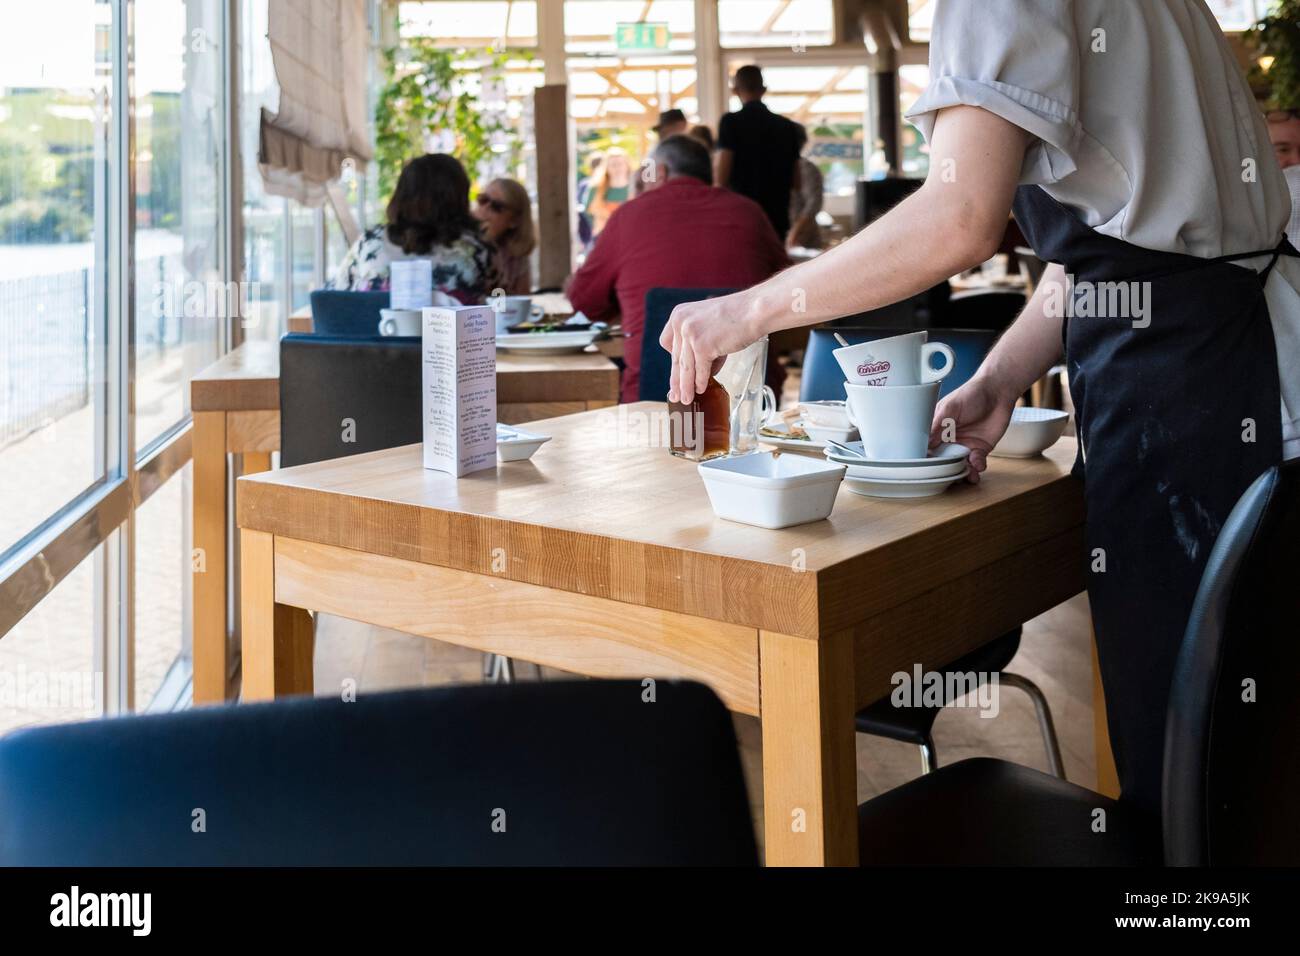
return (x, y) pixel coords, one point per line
(506, 214)
(611, 186)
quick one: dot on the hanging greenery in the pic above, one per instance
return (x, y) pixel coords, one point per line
(1276, 40)
(434, 100)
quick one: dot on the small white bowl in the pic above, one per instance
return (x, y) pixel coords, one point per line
(825, 414)
(515, 444)
(771, 491)
(1032, 431)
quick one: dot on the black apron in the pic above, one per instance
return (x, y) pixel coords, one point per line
(1164, 416)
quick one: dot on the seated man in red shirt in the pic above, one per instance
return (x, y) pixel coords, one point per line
(682, 233)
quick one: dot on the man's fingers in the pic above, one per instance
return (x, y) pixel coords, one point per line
(703, 372)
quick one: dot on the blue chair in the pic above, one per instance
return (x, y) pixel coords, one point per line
(823, 380)
(347, 314)
(575, 773)
(1230, 771)
(325, 380)
(656, 364)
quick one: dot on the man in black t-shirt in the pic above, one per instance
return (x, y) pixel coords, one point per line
(758, 151)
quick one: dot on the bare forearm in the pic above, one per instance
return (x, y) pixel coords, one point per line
(1031, 346)
(920, 243)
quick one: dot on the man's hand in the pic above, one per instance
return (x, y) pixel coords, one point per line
(700, 336)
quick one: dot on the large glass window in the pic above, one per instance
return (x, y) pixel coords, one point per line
(179, 291)
(55, 143)
(49, 669)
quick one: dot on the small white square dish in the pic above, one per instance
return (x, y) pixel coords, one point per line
(515, 444)
(771, 491)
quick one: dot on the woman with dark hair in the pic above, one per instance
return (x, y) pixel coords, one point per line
(428, 218)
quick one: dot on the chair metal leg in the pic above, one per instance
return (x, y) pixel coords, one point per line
(929, 757)
(1045, 724)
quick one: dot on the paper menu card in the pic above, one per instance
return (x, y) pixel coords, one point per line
(410, 283)
(459, 385)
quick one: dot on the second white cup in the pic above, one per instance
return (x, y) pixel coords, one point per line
(895, 421)
(898, 360)
(399, 322)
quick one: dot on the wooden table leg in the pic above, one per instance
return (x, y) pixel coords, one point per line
(278, 641)
(256, 462)
(1107, 775)
(211, 660)
(809, 760)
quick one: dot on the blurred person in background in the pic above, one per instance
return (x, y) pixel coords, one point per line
(805, 204)
(758, 151)
(611, 186)
(504, 209)
(1284, 134)
(427, 218)
(704, 135)
(682, 233)
(671, 123)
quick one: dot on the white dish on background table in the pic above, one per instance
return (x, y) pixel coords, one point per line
(546, 343)
(1032, 431)
(771, 491)
(903, 488)
(515, 444)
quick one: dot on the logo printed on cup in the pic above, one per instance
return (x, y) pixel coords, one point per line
(873, 368)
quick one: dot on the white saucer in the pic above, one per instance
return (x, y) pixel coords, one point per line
(891, 473)
(902, 488)
(945, 454)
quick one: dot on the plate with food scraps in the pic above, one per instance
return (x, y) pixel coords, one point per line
(789, 436)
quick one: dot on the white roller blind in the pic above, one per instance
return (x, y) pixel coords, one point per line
(319, 51)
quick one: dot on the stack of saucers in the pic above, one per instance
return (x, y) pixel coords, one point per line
(901, 477)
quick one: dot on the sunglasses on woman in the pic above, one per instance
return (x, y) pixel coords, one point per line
(496, 205)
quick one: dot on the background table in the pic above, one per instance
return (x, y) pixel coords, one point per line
(602, 556)
(553, 304)
(236, 406)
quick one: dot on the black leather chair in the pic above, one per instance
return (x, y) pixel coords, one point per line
(991, 309)
(823, 380)
(656, 364)
(344, 396)
(344, 314)
(580, 773)
(1232, 739)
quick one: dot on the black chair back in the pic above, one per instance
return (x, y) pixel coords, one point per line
(656, 363)
(345, 396)
(581, 773)
(347, 314)
(1232, 740)
(823, 379)
(991, 309)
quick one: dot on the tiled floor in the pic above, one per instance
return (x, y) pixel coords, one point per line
(1054, 653)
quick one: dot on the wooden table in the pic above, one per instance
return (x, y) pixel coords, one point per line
(602, 556)
(236, 405)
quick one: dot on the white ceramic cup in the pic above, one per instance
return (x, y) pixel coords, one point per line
(399, 322)
(899, 360)
(825, 414)
(895, 421)
(513, 309)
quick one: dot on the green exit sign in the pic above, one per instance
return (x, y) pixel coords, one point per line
(642, 36)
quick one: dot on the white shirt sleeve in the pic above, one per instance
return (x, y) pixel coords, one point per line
(1018, 59)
